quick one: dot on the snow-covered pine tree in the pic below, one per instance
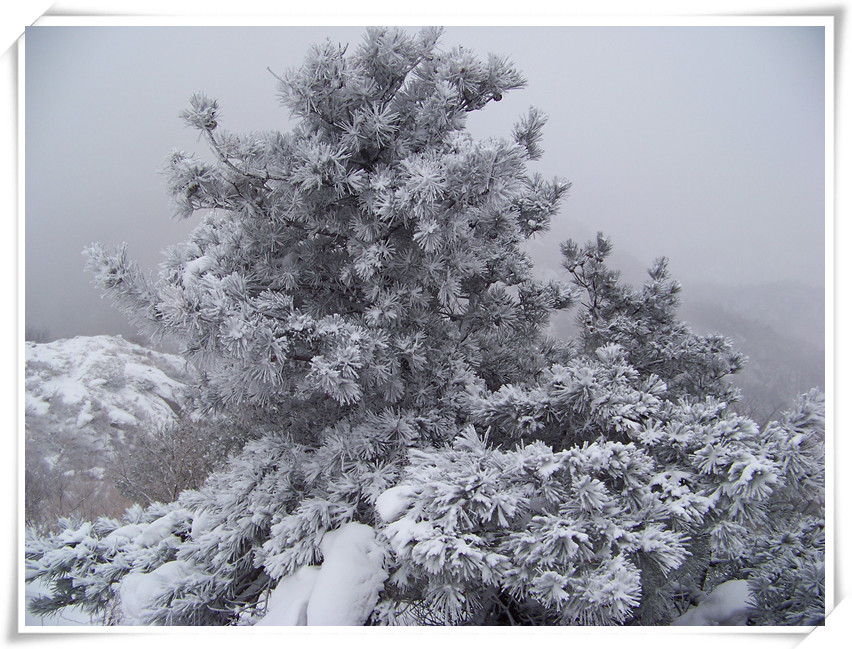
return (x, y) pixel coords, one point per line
(785, 565)
(357, 287)
(726, 488)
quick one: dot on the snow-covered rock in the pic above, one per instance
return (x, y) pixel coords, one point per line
(288, 603)
(726, 605)
(340, 592)
(161, 529)
(391, 503)
(139, 591)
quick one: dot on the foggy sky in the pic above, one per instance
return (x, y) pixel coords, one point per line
(703, 144)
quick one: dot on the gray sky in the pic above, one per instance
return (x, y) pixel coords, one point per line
(704, 144)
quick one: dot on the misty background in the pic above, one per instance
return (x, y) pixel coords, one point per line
(702, 144)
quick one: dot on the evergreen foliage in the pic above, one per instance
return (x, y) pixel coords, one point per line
(358, 287)
(786, 566)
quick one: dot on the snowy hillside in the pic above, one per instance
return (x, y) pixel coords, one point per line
(779, 327)
(92, 382)
(85, 398)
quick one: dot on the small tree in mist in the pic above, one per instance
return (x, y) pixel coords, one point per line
(158, 465)
(36, 334)
(60, 481)
(357, 288)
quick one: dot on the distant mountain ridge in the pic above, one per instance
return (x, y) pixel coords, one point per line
(791, 309)
(779, 325)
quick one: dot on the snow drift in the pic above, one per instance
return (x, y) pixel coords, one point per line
(340, 592)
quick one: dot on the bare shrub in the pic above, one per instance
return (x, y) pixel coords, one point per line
(157, 465)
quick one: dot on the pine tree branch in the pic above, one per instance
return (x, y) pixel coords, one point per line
(217, 149)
